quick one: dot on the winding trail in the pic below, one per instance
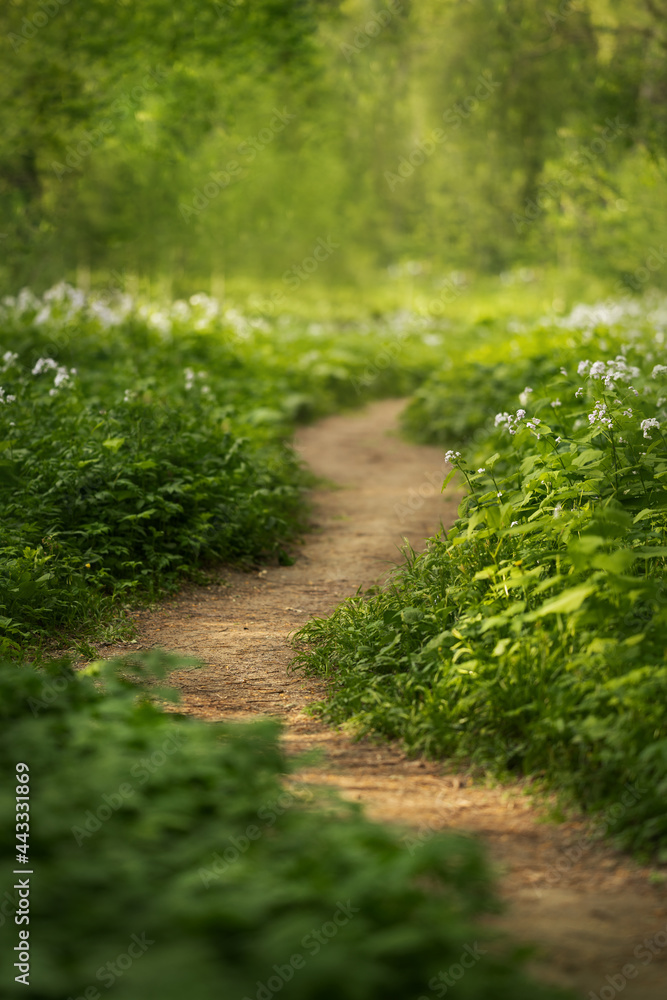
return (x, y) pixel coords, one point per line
(586, 906)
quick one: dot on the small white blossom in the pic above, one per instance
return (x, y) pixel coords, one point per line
(556, 403)
(563, 371)
(44, 364)
(513, 523)
(583, 367)
(482, 470)
(628, 412)
(600, 415)
(525, 395)
(62, 377)
(8, 359)
(659, 370)
(451, 456)
(580, 391)
(646, 426)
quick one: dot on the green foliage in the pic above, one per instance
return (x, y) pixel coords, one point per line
(140, 444)
(169, 858)
(531, 636)
(224, 139)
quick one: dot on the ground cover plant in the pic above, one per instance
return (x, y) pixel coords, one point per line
(167, 857)
(531, 636)
(141, 443)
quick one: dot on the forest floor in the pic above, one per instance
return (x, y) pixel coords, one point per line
(587, 907)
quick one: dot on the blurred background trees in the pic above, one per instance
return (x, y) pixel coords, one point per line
(218, 141)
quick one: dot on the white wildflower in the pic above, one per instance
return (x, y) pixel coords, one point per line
(451, 456)
(43, 365)
(646, 426)
(658, 370)
(600, 415)
(628, 412)
(62, 377)
(556, 403)
(580, 391)
(583, 367)
(525, 395)
(8, 359)
(482, 469)
(563, 371)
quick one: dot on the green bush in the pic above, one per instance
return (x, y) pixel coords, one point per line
(140, 444)
(169, 858)
(531, 637)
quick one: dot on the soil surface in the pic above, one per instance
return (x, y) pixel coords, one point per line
(588, 908)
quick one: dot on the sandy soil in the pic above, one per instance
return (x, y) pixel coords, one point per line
(586, 906)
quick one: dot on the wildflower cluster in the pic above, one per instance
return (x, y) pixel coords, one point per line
(144, 441)
(537, 623)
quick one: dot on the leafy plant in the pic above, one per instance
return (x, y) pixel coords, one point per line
(167, 856)
(531, 636)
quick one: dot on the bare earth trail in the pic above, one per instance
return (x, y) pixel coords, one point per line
(587, 910)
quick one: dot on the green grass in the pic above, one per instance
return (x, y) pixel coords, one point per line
(531, 637)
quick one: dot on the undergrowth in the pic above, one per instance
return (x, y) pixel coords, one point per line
(140, 444)
(531, 636)
(167, 857)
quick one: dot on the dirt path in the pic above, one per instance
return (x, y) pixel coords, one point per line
(587, 907)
